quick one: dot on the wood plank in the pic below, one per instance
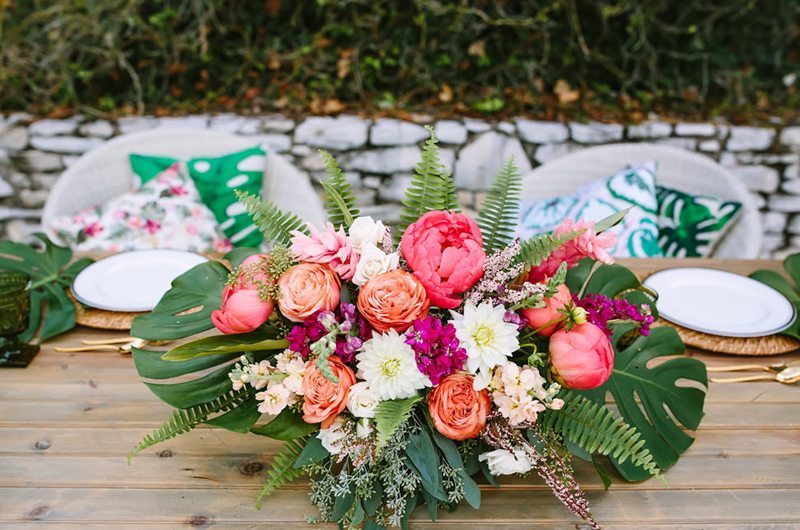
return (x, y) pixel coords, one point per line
(418, 525)
(247, 471)
(220, 505)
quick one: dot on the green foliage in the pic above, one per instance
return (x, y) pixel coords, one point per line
(431, 188)
(652, 397)
(256, 341)
(52, 311)
(140, 55)
(538, 248)
(594, 428)
(282, 471)
(790, 289)
(184, 420)
(287, 425)
(339, 195)
(390, 414)
(276, 225)
(498, 216)
(425, 462)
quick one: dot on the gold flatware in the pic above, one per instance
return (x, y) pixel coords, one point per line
(787, 376)
(110, 345)
(774, 368)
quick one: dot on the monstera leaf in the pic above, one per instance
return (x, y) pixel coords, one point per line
(185, 309)
(653, 388)
(52, 311)
(789, 288)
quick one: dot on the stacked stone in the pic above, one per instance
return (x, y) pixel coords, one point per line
(379, 156)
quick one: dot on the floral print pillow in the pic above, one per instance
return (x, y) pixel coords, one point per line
(166, 212)
(634, 188)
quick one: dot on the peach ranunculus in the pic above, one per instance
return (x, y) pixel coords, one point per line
(581, 358)
(539, 316)
(306, 289)
(242, 310)
(458, 410)
(328, 246)
(323, 399)
(445, 251)
(393, 300)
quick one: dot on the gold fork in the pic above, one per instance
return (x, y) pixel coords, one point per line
(122, 345)
(788, 375)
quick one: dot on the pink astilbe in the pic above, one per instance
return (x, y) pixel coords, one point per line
(586, 244)
(328, 246)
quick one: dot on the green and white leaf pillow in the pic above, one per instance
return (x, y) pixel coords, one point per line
(691, 226)
(216, 179)
(637, 234)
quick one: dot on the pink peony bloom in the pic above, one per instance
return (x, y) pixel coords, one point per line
(581, 358)
(242, 311)
(328, 247)
(587, 245)
(445, 251)
(539, 316)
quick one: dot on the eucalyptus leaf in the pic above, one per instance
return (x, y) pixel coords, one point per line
(611, 221)
(287, 425)
(341, 505)
(52, 311)
(425, 460)
(246, 342)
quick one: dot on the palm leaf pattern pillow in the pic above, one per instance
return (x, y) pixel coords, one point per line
(691, 226)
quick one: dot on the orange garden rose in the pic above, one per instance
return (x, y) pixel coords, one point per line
(306, 289)
(457, 409)
(393, 300)
(323, 399)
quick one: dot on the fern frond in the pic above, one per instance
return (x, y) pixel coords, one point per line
(450, 195)
(594, 428)
(538, 248)
(498, 216)
(389, 415)
(282, 470)
(431, 188)
(340, 200)
(184, 420)
(276, 225)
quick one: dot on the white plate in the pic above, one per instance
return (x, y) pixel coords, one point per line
(720, 303)
(132, 281)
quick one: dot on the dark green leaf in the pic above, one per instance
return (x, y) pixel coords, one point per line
(486, 473)
(372, 525)
(287, 425)
(411, 503)
(425, 460)
(448, 449)
(343, 504)
(150, 365)
(374, 502)
(185, 309)
(431, 503)
(190, 393)
(239, 419)
(785, 287)
(256, 341)
(604, 476)
(472, 493)
(312, 453)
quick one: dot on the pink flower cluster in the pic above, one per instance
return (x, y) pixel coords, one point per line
(436, 347)
(520, 394)
(587, 244)
(328, 246)
(350, 328)
(600, 309)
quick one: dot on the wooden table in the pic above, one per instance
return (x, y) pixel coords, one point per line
(68, 421)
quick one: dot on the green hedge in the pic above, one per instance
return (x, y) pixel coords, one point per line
(486, 56)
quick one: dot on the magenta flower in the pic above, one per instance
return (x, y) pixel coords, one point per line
(351, 332)
(437, 349)
(600, 310)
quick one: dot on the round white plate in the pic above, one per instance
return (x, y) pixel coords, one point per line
(132, 281)
(720, 303)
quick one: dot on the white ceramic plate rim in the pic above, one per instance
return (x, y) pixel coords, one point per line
(99, 304)
(790, 318)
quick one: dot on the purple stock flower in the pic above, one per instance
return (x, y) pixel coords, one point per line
(602, 309)
(351, 332)
(437, 349)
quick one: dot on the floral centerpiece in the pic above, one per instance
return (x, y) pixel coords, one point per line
(398, 365)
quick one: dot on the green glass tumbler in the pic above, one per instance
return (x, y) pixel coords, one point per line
(15, 307)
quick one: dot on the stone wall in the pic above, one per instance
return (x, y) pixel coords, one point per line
(379, 155)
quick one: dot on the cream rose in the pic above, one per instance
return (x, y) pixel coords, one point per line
(374, 261)
(365, 230)
(502, 462)
(362, 401)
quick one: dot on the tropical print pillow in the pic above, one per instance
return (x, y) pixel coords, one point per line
(166, 212)
(691, 226)
(634, 188)
(216, 179)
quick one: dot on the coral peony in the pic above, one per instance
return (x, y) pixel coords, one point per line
(587, 244)
(458, 410)
(306, 289)
(323, 399)
(393, 300)
(539, 316)
(242, 311)
(445, 251)
(328, 246)
(581, 358)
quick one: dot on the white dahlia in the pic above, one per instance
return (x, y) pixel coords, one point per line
(389, 367)
(488, 339)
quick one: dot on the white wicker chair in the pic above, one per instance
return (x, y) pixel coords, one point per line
(677, 168)
(104, 173)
